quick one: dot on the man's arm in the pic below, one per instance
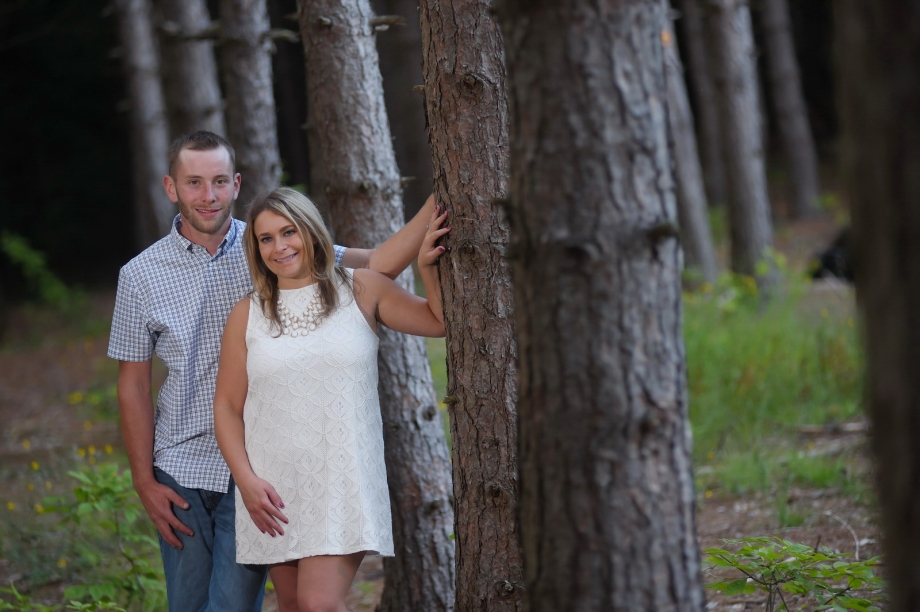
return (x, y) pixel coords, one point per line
(136, 407)
(394, 255)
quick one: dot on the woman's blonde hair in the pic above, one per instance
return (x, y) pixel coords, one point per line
(302, 213)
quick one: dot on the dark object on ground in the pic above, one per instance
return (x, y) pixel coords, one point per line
(836, 261)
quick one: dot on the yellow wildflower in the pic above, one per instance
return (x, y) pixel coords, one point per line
(81, 452)
(26, 444)
(87, 425)
(75, 398)
(30, 486)
(62, 562)
(39, 508)
(35, 465)
(92, 461)
(91, 449)
(48, 484)
(708, 493)
(11, 505)
(108, 449)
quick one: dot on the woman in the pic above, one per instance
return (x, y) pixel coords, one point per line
(296, 411)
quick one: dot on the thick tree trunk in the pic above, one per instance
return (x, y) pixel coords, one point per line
(154, 212)
(735, 71)
(707, 107)
(362, 187)
(878, 71)
(401, 65)
(606, 488)
(792, 115)
(699, 252)
(251, 123)
(467, 111)
(189, 70)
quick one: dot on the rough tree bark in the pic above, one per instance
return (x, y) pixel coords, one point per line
(361, 184)
(468, 116)
(735, 72)
(707, 108)
(246, 63)
(792, 115)
(606, 487)
(878, 71)
(190, 82)
(699, 252)
(401, 65)
(149, 132)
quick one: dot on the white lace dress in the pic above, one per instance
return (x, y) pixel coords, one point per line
(313, 430)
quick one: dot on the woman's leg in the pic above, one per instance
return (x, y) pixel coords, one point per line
(284, 577)
(323, 581)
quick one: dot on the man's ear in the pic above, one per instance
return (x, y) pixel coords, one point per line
(237, 181)
(170, 186)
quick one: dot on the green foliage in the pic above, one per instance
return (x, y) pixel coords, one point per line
(50, 289)
(113, 553)
(779, 567)
(755, 369)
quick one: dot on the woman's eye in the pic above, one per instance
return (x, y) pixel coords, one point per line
(289, 232)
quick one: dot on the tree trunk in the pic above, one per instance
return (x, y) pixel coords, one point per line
(699, 252)
(401, 66)
(362, 187)
(247, 65)
(189, 70)
(154, 212)
(290, 97)
(735, 71)
(792, 115)
(707, 107)
(878, 71)
(606, 488)
(467, 110)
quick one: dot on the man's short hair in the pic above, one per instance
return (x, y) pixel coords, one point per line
(199, 141)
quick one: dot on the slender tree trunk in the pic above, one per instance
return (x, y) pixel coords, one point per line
(247, 65)
(699, 252)
(878, 71)
(707, 107)
(467, 111)
(154, 212)
(362, 187)
(606, 487)
(290, 88)
(792, 115)
(735, 70)
(189, 70)
(401, 65)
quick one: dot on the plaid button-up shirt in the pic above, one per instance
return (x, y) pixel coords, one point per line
(174, 299)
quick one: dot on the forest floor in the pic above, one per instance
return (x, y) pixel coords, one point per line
(43, 364)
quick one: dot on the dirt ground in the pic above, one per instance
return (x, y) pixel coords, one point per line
(39, 422)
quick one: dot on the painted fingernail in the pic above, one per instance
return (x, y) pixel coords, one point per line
(441, 249)
(281, 504)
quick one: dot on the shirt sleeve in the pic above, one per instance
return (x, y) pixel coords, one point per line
(129, 339)
(339, 253)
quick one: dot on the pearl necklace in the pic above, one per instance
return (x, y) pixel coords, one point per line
(303, 323)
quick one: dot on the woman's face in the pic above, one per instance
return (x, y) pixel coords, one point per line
(284, 250)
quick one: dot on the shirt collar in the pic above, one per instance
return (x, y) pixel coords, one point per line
(233, 234)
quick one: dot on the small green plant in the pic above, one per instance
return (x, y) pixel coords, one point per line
(51, 290)
(779, 568)
(104, 500)
(20, 602)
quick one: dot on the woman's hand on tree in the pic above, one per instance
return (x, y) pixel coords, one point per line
(430, 251)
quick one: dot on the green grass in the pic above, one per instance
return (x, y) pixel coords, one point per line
(755, 373)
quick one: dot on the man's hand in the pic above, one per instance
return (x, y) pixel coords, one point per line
(158, 500)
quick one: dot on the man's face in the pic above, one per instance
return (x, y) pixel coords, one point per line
(204, 187)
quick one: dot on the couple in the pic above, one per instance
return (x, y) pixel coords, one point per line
(293, 402)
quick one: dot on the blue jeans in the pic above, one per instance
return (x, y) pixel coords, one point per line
(203, 575)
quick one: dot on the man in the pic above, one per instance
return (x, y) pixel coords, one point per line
(173, 299)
